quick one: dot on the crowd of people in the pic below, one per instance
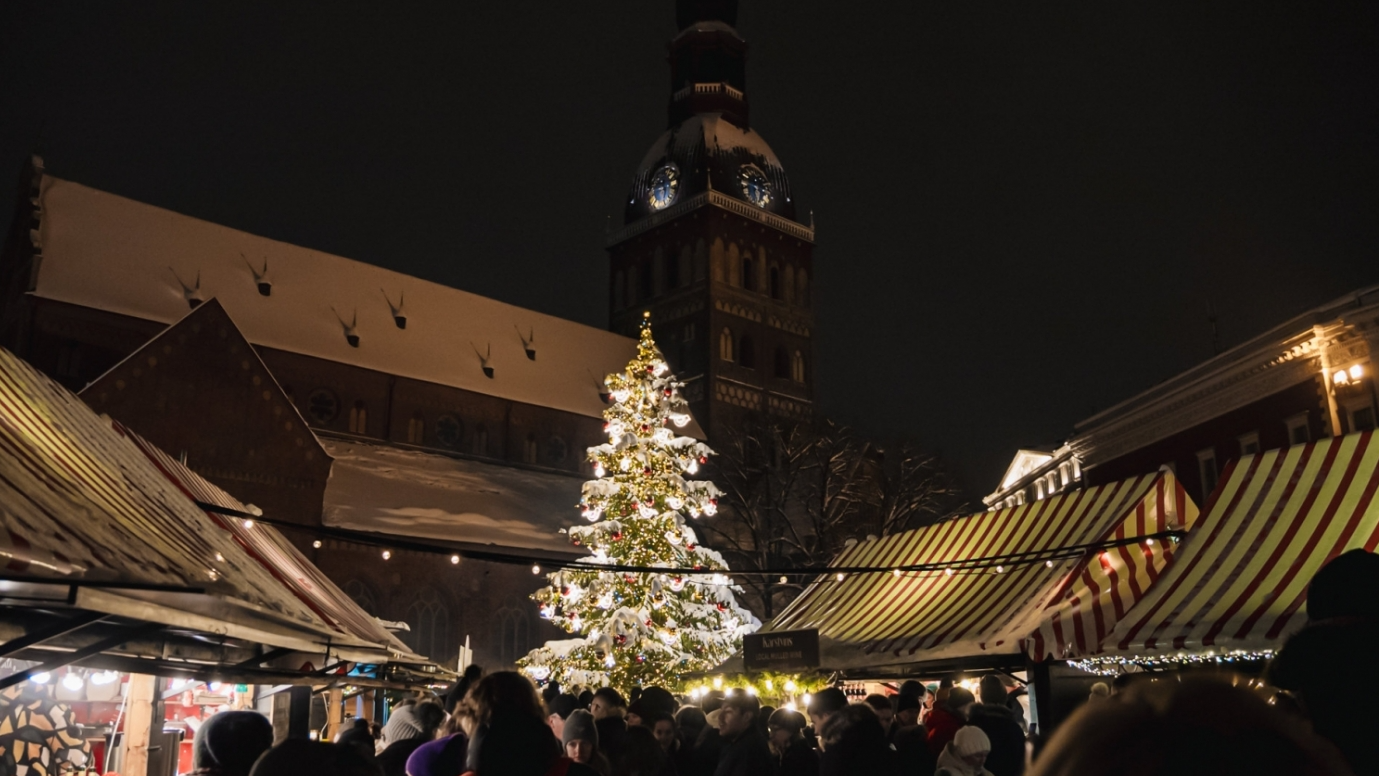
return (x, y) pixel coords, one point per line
(1301, 717)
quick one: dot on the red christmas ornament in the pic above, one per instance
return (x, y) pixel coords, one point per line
(721, 607)
(690, 547)
(703, 459)
(565, 590)
(649, 623)
(668, 392)
(647, 471)
(575, 542)
(620, 639)
(628, 578)
(617, 536)
(698, 567)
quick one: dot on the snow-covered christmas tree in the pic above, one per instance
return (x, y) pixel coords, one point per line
(641, 628)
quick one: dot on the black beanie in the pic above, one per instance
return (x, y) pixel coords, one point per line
(231, 741)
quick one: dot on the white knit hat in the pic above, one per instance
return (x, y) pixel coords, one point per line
(971, 740)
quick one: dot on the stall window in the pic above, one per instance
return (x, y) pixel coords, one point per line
(1206, 467)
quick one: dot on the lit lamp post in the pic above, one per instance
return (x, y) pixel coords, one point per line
(1344, 381)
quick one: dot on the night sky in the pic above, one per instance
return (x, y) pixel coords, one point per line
(1026, 211)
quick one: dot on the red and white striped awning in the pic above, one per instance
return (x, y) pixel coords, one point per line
(1047, 608)
(1241, 577)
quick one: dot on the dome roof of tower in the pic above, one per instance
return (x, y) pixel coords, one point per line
(703, 152)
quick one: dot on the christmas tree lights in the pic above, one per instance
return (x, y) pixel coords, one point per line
(641, 628)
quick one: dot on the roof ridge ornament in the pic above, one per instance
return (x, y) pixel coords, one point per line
(351, 334)
(260, 278)
(396, 309)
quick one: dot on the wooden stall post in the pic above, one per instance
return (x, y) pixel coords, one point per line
(138, 724)
(335, 712)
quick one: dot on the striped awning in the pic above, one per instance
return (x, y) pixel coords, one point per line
(1043, 606)
(1241, 578)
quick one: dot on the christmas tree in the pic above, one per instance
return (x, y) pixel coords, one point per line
(641, 628)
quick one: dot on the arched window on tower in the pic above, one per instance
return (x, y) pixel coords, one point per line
(685, 267)
(746, 352)
(359, 418)
(725, 345)
(672, 270)
(802, 288)
(776, 292)
(429, 620)
(781, 363)
(648, 276)
(734, 261)
(797, 367)
(789, 283)
(659, 275)
(749, 274)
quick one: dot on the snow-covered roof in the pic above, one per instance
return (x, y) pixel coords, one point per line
(404, 492)
(111, 253)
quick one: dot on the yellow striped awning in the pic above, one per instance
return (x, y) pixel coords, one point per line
(1045, 607)
(1241, 578)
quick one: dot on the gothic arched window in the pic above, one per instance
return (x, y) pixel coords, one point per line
(781, 362)
(789, 283)
(797, 367)
(359, 418)
(746, 352)
(749, 274)
(429, 620)
(776, 292)
(362, 594)
(514, 628)
(725, 345)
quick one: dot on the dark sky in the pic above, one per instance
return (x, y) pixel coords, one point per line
(1025, 210)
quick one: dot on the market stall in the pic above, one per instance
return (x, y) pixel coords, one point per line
(1238, 587)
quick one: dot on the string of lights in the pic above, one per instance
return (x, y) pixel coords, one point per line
(1110, 665)
(997, 564)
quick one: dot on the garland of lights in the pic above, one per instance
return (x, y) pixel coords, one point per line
(637, 618)
(1110, 665)
(992, 564)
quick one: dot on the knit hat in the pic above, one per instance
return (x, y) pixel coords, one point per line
(231, 741)
(1341, 588)
(442, 757)
(828, 701)
(579, 726)
(971, 740)
(561, 705)
(906, 702)
(959, 697)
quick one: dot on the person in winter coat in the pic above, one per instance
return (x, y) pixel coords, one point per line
(948, 716)
(299, 757)
(853, 742)
(508, 732)
(228, 743)
(427, 717)
(966, 754)
(581, 741)
(745, 752)
(995, 718)
(794, 755)
(910, 739)
(442, 757)
(642, 754)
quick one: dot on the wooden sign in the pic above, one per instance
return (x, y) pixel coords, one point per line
(781, 650)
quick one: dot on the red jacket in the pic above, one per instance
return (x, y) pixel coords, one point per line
(943, 725)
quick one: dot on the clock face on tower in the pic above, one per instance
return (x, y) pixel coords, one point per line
(664, 184)
(755, 186)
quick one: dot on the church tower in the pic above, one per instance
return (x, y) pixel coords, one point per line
(710, 244)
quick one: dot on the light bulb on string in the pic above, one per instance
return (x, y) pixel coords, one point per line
(73, 681)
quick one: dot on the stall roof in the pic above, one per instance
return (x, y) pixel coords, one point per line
(386, 489)
(875, 619)
(89, 521)
(1241, 577)
(271, 549)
